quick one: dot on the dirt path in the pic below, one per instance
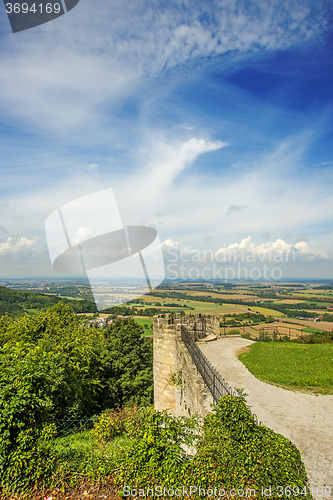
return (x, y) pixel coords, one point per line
(305, 419)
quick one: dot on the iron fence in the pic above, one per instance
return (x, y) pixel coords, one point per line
(69, 424)
(216, 384)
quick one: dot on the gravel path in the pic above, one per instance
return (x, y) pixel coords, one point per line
(305, 419)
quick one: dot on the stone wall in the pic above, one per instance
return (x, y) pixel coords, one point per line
(178, 386)
(164, 363)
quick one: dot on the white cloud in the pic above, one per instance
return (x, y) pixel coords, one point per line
(281, 196)
(246, 251)
(101, 78)
(160, 175)
(66, 74)
(18, 246)
(83, 234)
(246, 260)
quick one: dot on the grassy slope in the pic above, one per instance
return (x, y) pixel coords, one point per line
(306, 366)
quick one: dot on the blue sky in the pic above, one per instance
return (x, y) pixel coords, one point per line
(211, 121)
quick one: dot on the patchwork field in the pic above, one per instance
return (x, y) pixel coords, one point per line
(219, 310)
(225, 295)
(313, 295)
(196, 306)
(290, 301)
(245, 293)
(324, 326)
(292, 331)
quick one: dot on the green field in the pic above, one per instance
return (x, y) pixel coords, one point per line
(197, 307)
(211, 308)
(145, 321)
(267, 312)
(292, 365)
(308, 329)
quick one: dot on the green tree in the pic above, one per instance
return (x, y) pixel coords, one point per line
(127, 365)
(78, 349)
(28, 378)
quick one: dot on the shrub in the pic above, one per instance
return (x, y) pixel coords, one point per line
(157, 455)
(234, 331)
(247, 336)
(127, 420)
(25, 413)
(237, 453)
(231, 452)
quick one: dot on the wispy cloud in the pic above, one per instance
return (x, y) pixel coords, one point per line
(167, 160)
(61, 76)
(126, 96)
(236, 208)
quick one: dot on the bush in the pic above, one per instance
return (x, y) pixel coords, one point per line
(236, 453)
(231, 452)
(146, 449)
(247, 336)
(157, 455)
(127, 420)
(28, 378)
(53, 367)
(234, 331)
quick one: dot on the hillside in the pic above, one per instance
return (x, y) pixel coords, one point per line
(17, 302)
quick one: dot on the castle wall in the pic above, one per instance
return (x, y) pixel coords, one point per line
(164, 364)
(193, 395)
(186, 394)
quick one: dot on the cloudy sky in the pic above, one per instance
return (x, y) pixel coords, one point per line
(211, 121)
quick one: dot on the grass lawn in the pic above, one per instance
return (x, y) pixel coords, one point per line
(307, 366)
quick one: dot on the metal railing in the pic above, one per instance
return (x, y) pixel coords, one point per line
(216, 384)
(69, 424)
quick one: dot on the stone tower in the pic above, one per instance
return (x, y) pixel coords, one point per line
(189, 394)
(165, 395)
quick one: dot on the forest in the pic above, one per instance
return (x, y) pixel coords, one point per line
(16, 302)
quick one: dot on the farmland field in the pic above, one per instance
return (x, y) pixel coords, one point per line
(225, 295)
(290, 301)
(294, 366)
(268, 312)
(325, 326)
(219, 310)
(313, 295)
(291, 331)
(198, 307)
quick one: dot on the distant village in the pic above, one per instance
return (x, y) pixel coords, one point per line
(103, 322)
